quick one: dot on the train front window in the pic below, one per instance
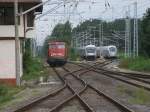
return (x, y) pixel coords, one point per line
(112, 49)
(54, 46)
(90, 50)
(61, 46)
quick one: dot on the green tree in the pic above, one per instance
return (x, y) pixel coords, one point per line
(145, 38)
(61, 32)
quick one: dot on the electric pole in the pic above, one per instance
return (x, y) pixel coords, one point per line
(100, 34)
(17, 56)
(135, 41)
(128, 34)
(100, 38)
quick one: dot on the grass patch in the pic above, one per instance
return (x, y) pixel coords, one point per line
(124, 90)
(137, 96)
(7, 93)
(34, 69)
(138, 64)
(140, 96)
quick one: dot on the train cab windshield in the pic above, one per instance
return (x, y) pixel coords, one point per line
(61, 46)
(55, 46)
(90, 50)
(112, 49)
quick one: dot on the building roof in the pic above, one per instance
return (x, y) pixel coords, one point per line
(21, 1)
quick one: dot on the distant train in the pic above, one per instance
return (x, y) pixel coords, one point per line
(107, 51)
(91, 51)
(88, 52)
(57, 53)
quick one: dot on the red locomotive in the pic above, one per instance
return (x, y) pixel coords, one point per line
(57, 53)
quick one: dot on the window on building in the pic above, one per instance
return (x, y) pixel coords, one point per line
(6, 16)
(30, 19)
(2, 16)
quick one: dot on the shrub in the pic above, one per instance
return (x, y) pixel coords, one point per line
(33, 69)
(140, 96)
(139, 63)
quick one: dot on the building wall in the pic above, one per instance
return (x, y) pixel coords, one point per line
(7, 61)
(7, 58)
(7, 47)
(8, 31)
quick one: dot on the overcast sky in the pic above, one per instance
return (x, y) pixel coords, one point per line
(80, 11)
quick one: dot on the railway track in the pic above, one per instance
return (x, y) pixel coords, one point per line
(91, 99)
(49, 101)
(97, 102)
(132, 79)
(47, 104)
(100, 64)
(144, 76)
(81, 86)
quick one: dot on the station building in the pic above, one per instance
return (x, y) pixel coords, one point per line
(7, 36)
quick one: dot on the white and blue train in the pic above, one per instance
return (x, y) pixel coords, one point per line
(107, 51)
(92, 52)
(88, 52)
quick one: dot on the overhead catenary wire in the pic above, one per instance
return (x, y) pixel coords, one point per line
(141, 7)
(51, 10)
(116, 13)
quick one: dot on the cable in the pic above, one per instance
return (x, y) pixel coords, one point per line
(51, 10)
